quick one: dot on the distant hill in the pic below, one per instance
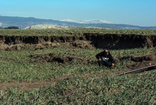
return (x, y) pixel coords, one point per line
(23, 22)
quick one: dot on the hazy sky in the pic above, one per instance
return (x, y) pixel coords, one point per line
(134, 12)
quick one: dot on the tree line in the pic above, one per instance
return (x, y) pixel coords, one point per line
(10, 27)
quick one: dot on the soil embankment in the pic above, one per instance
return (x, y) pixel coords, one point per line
(121, 41)
(85, 41)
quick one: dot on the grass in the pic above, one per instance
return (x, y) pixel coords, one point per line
(21, 32)
(87, 84)
(129, 89)
(19, 66)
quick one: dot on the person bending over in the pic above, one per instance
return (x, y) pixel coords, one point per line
(105, 58)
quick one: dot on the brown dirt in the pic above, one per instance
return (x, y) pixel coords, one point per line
(121, 41)
(140, 61)
(85, 41)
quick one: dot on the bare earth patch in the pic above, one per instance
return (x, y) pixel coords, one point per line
(84, 41)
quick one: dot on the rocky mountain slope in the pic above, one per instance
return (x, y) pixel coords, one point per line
(23, 22)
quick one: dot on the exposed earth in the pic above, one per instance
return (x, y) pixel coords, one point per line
(85, 41)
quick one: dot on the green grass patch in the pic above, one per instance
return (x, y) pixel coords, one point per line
(19, 66)
(21, 32)
(87, 83)
(129, 89)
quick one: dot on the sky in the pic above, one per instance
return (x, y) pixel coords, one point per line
(134, 12)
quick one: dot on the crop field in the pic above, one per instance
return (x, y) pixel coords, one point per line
(73, 32)
(71, 75)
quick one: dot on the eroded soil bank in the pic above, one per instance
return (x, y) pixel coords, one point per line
(85, 41)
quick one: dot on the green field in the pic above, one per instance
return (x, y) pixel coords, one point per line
(20, 32)
(73, 82)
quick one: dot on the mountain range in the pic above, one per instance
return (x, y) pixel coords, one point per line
(23, 22)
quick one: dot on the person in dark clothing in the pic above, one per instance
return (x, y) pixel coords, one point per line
(105, 58)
